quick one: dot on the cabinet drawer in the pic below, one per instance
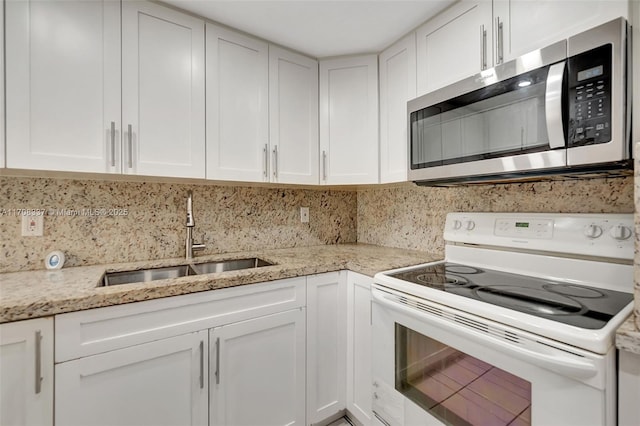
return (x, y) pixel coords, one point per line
(79, 334)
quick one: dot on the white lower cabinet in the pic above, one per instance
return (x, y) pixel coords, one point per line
(26, 373)
(157, 383)
(326, 345)
(258, 371)
(359, 403)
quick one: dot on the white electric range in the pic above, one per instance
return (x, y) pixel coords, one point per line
(515, 326)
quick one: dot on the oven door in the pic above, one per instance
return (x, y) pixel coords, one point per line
(433, 365)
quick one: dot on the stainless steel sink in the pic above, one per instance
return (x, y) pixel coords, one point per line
(152, 274)
(145, 275)
(230, 265)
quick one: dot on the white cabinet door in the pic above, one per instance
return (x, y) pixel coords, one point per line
(26, 373)
(454, 45)
(397, 86)
(349, 120)
(162, 91)
(63, 85)
(359, 375)
(293, 117)
(164, 382)
(527, 25)
(635, 6)
(2, 145)
(326, 345)
(237, 106)
(257, 371)
(628, 388)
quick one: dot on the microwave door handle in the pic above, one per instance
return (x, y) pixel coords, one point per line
(553, 106)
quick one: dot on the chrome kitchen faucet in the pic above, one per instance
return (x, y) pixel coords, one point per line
(190, 245)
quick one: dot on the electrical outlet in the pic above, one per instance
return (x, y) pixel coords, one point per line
(304, 214)
(32, 226)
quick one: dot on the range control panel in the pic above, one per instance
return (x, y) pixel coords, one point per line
(602, 235)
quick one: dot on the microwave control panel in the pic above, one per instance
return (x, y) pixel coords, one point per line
(589, 92)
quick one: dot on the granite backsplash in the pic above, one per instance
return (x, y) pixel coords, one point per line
(412, 217)
(97, 222)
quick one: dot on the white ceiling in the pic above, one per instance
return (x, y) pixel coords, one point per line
(320, 28)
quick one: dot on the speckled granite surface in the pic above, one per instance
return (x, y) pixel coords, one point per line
(31, 294)
(628, 336)
(228, 219)
(412, 217)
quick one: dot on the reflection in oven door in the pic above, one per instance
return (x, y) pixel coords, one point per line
(433, 365)
(457, 388)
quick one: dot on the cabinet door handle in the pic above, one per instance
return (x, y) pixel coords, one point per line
(275, 161)
(265, 151)
(218, 361)
(483, 48)
(201, 364)
(500, 41)
(130, 138)
(324, 165)
(113, 144)
(38, 349)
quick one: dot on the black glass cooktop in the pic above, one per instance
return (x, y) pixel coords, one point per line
(581, 306)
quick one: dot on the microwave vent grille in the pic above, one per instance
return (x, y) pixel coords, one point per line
(463, 320)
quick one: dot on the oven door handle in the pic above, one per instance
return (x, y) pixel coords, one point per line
(558, 362)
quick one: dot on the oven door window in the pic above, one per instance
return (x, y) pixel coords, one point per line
(457, 388)
(506, 118)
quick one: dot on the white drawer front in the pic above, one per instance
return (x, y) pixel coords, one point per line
(84, 333)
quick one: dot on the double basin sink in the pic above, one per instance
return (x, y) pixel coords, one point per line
(152, 274)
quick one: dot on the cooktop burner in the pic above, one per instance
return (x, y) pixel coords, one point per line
(573, 304)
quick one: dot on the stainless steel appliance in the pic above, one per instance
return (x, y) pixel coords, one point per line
(515, 326)
(561, 109)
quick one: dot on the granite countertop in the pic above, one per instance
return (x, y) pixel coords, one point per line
(628, 336)
(31, 294)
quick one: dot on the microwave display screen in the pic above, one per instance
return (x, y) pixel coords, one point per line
(590, 73)
(522, 224)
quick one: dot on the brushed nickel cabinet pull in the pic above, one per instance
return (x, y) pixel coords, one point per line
(500, 40)
(275, 161)
(113, 144)
(130, 132)
(38, 362)
(265, 151)
(218, 361)
(324, 165)
(201, 364)
(483, 48)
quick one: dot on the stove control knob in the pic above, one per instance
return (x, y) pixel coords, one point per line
(592, 231)
(469, 225)
(456, 225)
(620, 232)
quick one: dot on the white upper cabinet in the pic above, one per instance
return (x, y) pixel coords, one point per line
(454, 45)
(397, 66)
(2, 145)
(293, 117)
(349, 120)
(237, 106)
(527, 25)
(63, 85)
(162, 91)
(26, 373)
(473, 35)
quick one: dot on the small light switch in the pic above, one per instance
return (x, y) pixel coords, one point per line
(304, 214)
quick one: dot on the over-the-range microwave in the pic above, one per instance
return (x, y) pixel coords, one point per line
(559, 111)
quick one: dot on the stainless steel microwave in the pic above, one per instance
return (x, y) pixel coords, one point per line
(561, 110)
